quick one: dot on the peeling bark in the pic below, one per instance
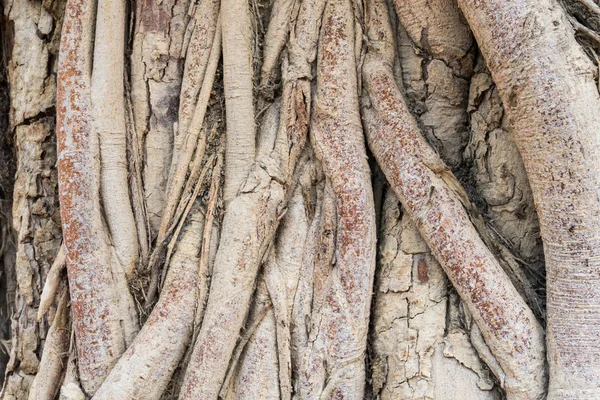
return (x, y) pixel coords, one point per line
(436, 49)
(56, 350)
(35, 212)
(421, 347)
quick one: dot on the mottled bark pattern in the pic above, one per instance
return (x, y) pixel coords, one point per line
(547, 87)
(435, 201)
(333, 365)
(36, 220)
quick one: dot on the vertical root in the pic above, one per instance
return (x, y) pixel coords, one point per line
(52, 281)
(108, 112)
(334, 364)
(145, 369)
(239, 101)
(275, 39)
(102, 310)
(56, 350)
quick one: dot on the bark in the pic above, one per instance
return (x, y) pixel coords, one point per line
(420, 335)
(499, 178)
(243, 240)
(239, 100)
(264, 273)
(145, 369)
(108, 114)
(241, 249)
(431, 196)
(56, 349)
(103, 315)
(547, 92)
(35, 211)
(156, 73)
(333, 365)
(437, 74)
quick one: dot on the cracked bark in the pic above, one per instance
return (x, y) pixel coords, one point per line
(35, 211)
(274, 302)
(425, 186)
(557, 139)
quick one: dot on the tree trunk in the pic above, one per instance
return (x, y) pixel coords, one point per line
(299, 199)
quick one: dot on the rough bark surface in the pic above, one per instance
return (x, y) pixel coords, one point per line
(421, 333)
(36, 220)
(426, 187)
(547, 92)
(262, 265)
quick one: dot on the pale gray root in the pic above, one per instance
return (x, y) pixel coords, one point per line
(317, 259)
(108, 115)
(238, 39)
(436, 203)
(275, 39)
(71, 386)
(334, 361)
(257, 373)
(194, 142)
(28, 66)
(253, 372)
(205, 27)
(209, 246)
(145, 369)
(303, 294)
(547, 87)
(248, 227)
(136, 184)
(270, 345)
(156, 73)
(53, 278)
(210, 239)
(211, 162)
(47, 381)
(304, 35)
(420, 351)
(104, 317)
(282, 273)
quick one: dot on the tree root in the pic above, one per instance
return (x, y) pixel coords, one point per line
(432, 196)
(103, 315)
(547, 86)
(145, 369)
(334, 362)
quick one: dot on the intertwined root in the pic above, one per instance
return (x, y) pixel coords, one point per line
(271, 298)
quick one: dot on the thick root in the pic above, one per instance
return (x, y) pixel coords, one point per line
(334, 362)
(432, 197)
(145, 369)
(547, 86)
(103, 315)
